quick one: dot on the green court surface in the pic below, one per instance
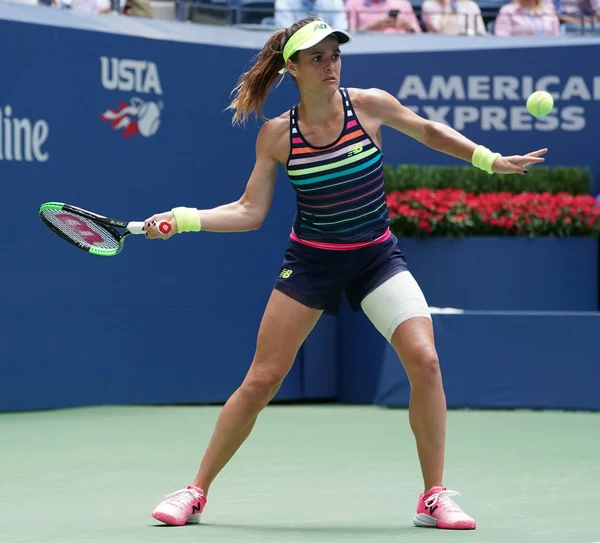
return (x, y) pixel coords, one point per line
(307, 473)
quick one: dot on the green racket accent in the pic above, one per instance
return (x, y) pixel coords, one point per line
(51, 205)
(106, 252)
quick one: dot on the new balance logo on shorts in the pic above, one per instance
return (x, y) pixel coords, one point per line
(285, 273)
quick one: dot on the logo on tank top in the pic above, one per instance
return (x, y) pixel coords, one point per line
(356, 149)
(135, 116)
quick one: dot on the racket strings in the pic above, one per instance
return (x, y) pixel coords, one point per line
(80, 229)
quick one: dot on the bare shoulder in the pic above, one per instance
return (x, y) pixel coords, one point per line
(273, 138)
(277, 127)
(372, 100)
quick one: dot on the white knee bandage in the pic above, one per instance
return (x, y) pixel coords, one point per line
(391, 303)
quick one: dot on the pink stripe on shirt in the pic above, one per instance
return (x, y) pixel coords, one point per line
(341, 246)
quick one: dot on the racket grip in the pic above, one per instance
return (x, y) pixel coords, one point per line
(138, 227)
(164, 227)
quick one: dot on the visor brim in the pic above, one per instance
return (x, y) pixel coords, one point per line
(342, 37)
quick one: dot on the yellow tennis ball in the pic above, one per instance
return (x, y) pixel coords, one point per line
(540, 103)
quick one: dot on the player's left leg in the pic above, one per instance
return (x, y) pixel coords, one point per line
(399, 311)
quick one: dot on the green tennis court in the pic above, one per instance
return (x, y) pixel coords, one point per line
(307, 473)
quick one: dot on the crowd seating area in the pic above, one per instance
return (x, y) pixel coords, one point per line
(265, 14)
(448, 17)
(262, 12)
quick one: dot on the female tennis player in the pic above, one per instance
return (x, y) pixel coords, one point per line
(340, 243)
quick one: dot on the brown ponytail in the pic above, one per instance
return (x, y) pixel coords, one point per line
(253, 86)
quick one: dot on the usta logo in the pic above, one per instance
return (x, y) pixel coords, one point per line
(138, 116)
(130, 75)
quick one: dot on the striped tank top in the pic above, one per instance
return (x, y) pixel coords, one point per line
(340, 195)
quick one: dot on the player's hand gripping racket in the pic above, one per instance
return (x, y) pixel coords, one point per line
(89, 231)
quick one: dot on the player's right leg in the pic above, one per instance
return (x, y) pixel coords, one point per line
(284, 327)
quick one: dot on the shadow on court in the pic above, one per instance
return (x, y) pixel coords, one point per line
(365, 530)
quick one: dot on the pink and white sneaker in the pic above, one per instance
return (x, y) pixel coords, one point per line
(437, 510)
(181, 507)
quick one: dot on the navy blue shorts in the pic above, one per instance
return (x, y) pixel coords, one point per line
(318, 278)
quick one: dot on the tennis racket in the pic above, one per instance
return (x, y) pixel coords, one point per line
(89, 231)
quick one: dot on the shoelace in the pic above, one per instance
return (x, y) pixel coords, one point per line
(183, 498)
(444, 497)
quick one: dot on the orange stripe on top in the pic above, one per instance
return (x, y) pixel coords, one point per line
(302, 150)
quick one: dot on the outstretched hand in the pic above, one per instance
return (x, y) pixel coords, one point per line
(517, 163)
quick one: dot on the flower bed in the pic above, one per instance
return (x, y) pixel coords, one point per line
(457, 213)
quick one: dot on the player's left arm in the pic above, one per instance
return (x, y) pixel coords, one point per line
(436, 135)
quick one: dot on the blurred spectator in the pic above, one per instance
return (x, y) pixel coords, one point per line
(87, 6)
(27, 2)
(387, 16)
(287, 12)
(138, 8)
(453, 17)
(572, 11)
(527, 18)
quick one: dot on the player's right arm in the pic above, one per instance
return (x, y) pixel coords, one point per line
(249, 212)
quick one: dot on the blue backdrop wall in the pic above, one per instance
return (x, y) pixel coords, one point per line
(128, 126)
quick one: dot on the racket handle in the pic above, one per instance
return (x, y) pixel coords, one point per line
(164, 227)
(138, 227)
(135, 227)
